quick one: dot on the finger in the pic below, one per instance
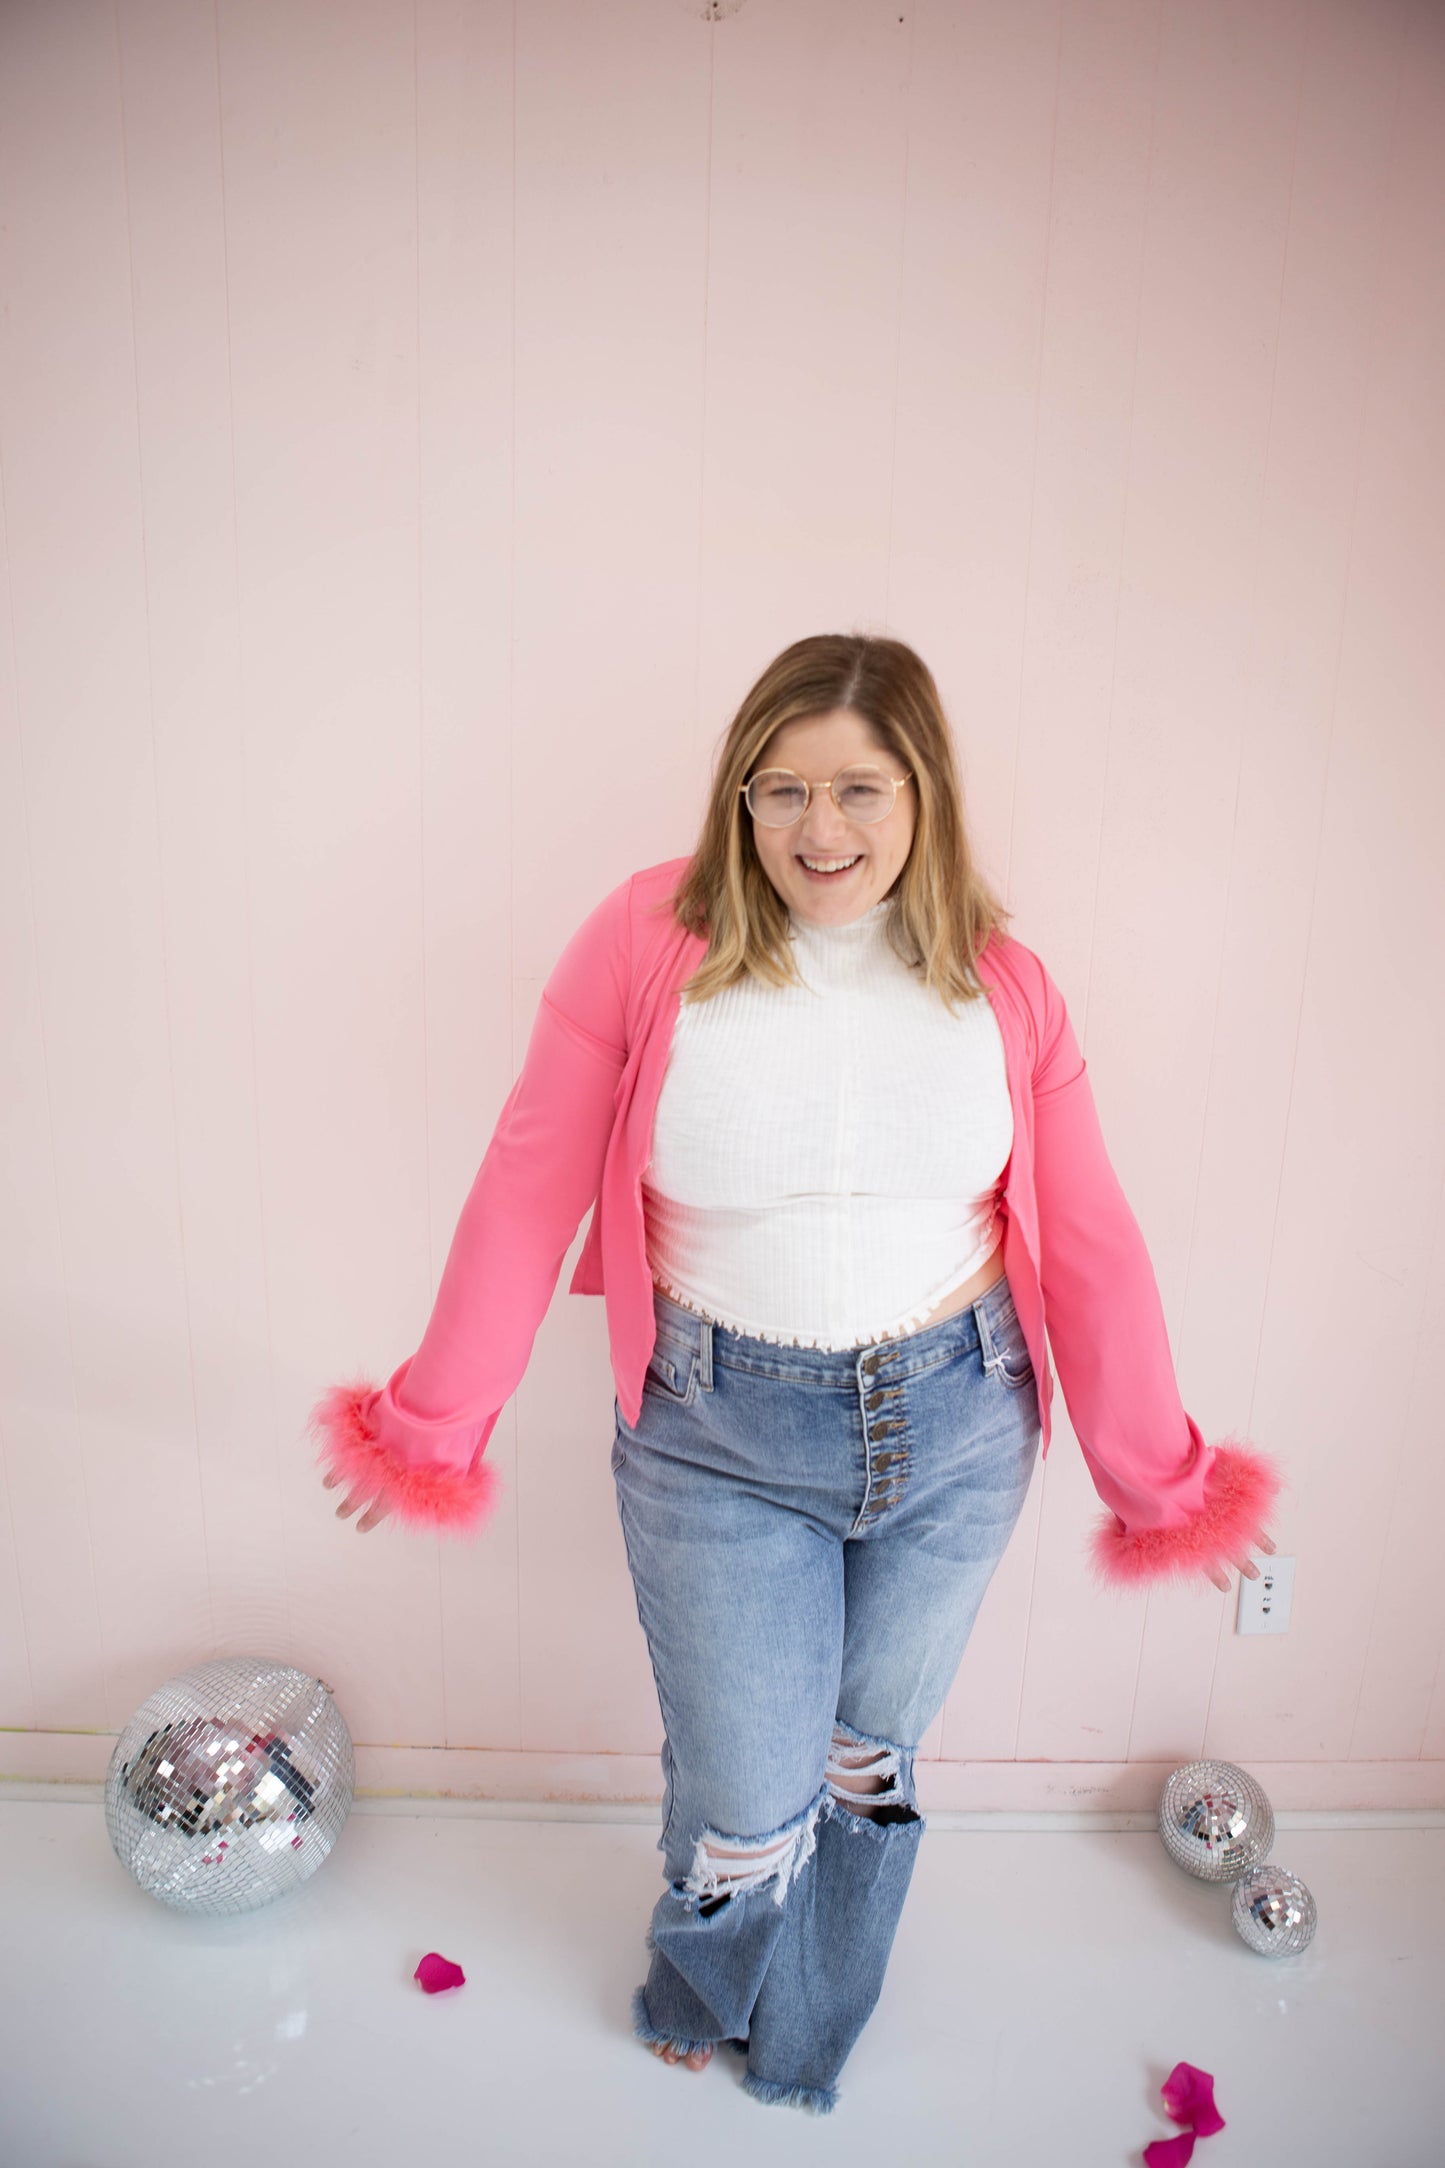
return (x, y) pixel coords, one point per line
(1249, 1569)
(373, 1517)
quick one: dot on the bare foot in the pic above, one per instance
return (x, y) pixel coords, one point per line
(669, 2053)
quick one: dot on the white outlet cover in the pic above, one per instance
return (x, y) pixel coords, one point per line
(1264, 1605)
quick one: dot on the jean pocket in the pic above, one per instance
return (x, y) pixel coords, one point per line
(1011, 1359)
(672, 1372)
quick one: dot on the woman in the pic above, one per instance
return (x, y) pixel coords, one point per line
(847, 1170)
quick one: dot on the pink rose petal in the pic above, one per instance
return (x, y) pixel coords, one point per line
(436, 1972)
(1189, 2097)
(1169, 2152)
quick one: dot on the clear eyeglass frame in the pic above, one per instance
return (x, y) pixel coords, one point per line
(854, 768)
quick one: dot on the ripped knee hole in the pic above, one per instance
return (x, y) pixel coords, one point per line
(858, 1771)
(857, 1774)
(724, 1866)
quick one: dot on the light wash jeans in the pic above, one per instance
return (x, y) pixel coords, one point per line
(810, 1534)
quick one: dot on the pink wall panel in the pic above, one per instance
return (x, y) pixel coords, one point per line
(109, 1529)
(464, 581)
(1212, 243)
(319, 162)
(1352, 1308)
(419, 421)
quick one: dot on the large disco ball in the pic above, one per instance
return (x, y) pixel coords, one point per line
(1215, 1820)
(229, 1786)
(1273, 1910)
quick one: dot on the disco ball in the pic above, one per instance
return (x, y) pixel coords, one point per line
(229, 1786)
(1215, 1820)
(1273, 1910)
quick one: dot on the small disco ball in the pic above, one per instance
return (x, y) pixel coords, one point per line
(1273, 1910)
(1215, 1820)
(229, 1786)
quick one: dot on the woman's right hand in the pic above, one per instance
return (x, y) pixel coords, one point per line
(375, 1512)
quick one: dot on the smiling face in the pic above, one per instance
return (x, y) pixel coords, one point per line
(817, 748)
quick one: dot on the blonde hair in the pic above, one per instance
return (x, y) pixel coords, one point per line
(943, 909)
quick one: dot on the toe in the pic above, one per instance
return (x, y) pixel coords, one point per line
(670, 2051)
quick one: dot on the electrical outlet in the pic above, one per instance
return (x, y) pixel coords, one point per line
(1264, 1604)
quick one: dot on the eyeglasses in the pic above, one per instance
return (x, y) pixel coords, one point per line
(776, 797)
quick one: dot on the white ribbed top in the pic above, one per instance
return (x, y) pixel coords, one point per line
(826, 1158)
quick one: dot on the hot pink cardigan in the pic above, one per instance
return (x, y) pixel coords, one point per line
(576, 1130)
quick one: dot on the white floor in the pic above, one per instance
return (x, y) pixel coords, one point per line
(1043, 1984)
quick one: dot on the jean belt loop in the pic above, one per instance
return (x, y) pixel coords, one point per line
(704, 1356)
(985, 1337)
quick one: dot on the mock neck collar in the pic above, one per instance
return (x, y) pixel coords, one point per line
(855, 929)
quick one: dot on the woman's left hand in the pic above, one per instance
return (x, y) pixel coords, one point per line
(1219, 1575)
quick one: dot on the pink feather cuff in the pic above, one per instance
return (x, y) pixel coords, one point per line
(1240, 1489)
(448, 1499)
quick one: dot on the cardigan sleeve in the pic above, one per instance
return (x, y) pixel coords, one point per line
(420, 1438)
(1175, 1505)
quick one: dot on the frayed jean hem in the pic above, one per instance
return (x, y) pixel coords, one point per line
(817, 2099)
(644, 2029)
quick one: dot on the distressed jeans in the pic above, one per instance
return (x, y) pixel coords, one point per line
(810, 1533)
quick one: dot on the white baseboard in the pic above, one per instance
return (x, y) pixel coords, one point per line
(628, 1787)
(1054, 1822)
